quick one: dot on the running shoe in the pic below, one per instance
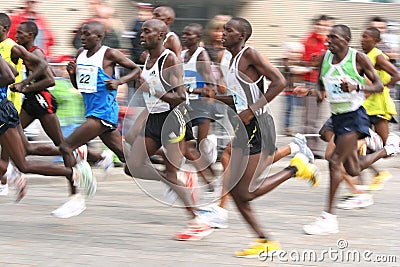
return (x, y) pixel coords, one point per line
(197, 229)
(81, 153)
(258, 248)
(107, 163)
(4, 190)
(190, 181)
(377, 182)
(301, 141)
(374, 141)
(356, 201)
(323, 225)
(392, 146)
(73, 207)
(17, 180)
(305, 170)
(215, 215)
(83, 177)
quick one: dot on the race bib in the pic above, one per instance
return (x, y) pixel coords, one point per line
(239, 100)
(335, 93)
(86, 78)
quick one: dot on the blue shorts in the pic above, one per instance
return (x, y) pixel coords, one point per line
(354, 121)
(8, 116)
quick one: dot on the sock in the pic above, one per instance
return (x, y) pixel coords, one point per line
(294, 148)
(293, 169)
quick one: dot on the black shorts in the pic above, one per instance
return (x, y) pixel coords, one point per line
(200, 111)
(375, 119)
(168, 127)
(8, 116)
(256, 137)
(354, 121)
(39, 103)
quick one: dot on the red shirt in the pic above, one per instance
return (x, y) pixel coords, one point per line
(314, 46)
(45, 37)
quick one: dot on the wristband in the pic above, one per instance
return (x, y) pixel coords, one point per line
(309, 93)
(359, 88)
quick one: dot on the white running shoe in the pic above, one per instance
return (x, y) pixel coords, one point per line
(208, 149)
(325, 224)
(73, 207)
(81, 153)
(215, 215)
(301, 141)
(392, 146)
(83, 177)
(190, 180)
(4, 190)
(374, 141)
(196, 230)
(356, 201)
(107, 163)
(17, 180)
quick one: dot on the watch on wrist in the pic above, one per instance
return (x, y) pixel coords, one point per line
(191, 90)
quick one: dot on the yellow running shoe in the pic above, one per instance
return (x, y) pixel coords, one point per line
(377, 183)
(305, 170)
(260, 248)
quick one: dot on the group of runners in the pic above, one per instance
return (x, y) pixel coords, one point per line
(179, 90)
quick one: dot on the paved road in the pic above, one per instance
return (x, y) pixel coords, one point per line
(122, 226)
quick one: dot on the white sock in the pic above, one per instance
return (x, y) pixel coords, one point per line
(294, 148)
(9, 172)
(390, 150)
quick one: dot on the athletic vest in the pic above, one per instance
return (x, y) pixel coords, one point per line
(154, 79)
(5, 52)
(169, 34)
(192, 78)
(332, 76)
(244, 93)
(380, 103)
(90, 78)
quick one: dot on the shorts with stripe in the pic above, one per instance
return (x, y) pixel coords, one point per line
(8, 116)
(256, 137)
(40, 103)
(167, 127)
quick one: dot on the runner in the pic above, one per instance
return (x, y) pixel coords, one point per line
(164, 94)
(254, 142)
(341, 80)
(93, 75)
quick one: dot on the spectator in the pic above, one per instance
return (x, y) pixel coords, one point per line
(293, 72)
(105, 15)
(145, 12)
(314, 48)
(44, 38)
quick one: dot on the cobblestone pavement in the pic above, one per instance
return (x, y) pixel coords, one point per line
(123, 226)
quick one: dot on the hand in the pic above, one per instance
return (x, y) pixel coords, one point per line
(71, 67)
(300, 91)
(246, 116)
(143, 85)
(17, 87)
(112, 84)
(347, 87)
(321, 95)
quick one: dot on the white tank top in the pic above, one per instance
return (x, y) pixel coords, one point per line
(243, 93)
(154, 78)
(192, 76)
